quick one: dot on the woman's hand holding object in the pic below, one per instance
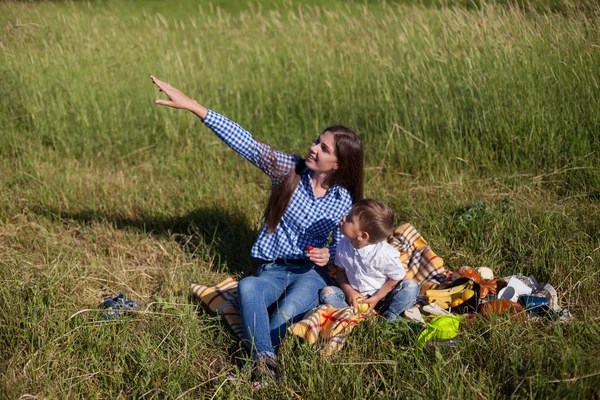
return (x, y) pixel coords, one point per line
(319, 256)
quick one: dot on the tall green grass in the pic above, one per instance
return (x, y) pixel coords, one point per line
(481, 128)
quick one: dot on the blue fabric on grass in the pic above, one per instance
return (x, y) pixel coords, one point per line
(115, 306)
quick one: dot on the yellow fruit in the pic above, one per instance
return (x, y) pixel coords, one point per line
(457, 301)
(443, 302)
(467, 294)
(446, 292)
(362, 307)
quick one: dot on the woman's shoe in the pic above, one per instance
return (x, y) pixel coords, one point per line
(266, 372)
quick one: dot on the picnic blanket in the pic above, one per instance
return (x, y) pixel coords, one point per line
(424, 266)
(329, 325)
(326, 323)
(222, 299)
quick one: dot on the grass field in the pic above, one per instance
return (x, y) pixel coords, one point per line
(481, 126)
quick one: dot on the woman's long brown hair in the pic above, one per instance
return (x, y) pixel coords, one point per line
(349, 175)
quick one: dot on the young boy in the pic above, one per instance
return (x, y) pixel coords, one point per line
(369, 269)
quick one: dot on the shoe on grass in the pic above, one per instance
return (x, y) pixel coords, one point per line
(266, 372)
(115, 306)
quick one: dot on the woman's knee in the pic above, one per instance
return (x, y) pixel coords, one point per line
(248, 286)
(288, 311)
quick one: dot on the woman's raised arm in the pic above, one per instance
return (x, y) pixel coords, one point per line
(178, 100)
(271, 161)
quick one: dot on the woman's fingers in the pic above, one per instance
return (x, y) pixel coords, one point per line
(176, 98)
(157, 82)
(319, 256)
(162, 86)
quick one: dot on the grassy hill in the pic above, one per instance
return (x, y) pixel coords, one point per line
(481, 126)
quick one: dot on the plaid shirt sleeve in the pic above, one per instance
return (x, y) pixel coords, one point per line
(276, 164)
(337, 236)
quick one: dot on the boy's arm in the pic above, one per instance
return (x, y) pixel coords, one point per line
(381, 293)
(352, 295)
(394, 270)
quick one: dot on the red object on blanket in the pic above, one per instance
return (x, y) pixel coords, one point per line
(309, 248)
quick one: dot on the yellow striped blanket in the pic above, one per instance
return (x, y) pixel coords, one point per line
(222, 299)
(424, 266)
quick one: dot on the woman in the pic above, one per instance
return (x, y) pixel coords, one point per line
(308, 199)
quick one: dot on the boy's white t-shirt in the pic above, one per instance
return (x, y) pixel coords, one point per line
(370, 267)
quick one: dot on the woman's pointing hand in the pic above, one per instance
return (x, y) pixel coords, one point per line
(177, 99)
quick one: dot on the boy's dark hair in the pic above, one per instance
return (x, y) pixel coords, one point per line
(375, 218)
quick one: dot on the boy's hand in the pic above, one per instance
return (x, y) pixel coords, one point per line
(354, 298)
(371, 302)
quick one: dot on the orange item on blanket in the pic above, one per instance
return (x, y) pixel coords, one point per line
(487, 287)
(467, 272)
(503, 306)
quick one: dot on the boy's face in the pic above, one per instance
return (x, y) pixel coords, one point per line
(350, 227)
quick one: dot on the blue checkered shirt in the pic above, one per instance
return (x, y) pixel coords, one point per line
(307, 220)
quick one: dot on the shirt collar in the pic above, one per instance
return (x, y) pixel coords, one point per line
(367, 250)
(335, 189)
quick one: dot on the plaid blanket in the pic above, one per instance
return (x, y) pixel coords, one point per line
(326, 323)
(424, 266)
(222, 299)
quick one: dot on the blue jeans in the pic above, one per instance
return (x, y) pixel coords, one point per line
(401, 298)
(279, 294)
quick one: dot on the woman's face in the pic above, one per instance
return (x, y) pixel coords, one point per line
(321, 154)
